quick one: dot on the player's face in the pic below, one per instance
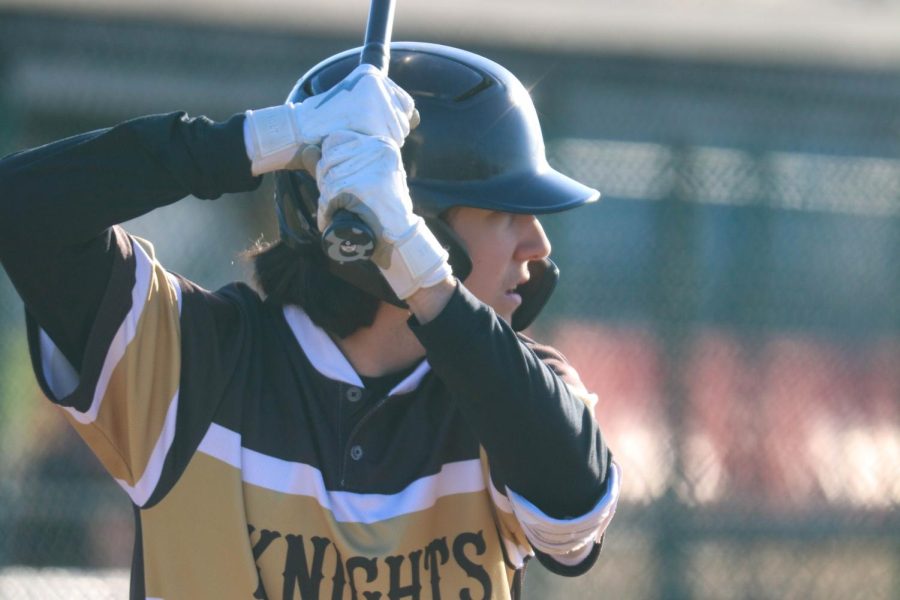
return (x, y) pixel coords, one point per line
(501, 245)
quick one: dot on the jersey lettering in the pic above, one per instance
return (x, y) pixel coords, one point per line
(305, 560)
(266, 537)
(473, 570)
(369, 566)
(297, 570)
(395, 563)
(436, 550)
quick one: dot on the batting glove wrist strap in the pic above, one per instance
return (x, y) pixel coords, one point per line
(271, 138)
(415, 261)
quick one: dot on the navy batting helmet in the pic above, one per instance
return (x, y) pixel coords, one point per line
(479, 144)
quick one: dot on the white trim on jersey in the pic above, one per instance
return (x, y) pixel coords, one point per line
(411, 381)
(140, 492)
(575, 557)
(319, 348)
(516, 553)
(563, 537)
(328, 359)
(300, 479)
(124, 335)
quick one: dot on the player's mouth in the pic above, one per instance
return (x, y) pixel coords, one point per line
(514, 294)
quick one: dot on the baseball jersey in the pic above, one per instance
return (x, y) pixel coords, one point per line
(261, 466)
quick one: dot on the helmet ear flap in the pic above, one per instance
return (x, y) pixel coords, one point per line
(544, 274)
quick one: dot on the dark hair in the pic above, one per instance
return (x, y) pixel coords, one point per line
(299, 276)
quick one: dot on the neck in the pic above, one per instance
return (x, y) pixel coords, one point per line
(385, 347)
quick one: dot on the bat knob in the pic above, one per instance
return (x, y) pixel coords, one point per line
(348, 238)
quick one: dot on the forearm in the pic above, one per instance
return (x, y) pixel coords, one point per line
(71, 190)
(541, 439)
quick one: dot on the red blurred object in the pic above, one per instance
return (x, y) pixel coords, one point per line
(786, 422)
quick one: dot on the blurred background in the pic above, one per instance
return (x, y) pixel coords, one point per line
(733, 300)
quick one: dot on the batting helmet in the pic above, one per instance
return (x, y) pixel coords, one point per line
(479, 144)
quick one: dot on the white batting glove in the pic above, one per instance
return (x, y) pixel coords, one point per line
(365, 101)
(365, 175)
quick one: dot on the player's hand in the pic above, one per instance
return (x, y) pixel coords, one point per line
(365, 101)
(365, 175)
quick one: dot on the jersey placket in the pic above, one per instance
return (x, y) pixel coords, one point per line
(357, 407)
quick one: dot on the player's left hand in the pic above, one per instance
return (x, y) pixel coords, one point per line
(365, 175)
(288, 136)
(366, 101)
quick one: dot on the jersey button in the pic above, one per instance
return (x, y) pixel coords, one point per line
(354, 394)
(356, 452)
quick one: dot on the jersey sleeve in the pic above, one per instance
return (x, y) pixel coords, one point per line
(549, 470)
(158, 360)
(104, 317)
(126, 400)
(566, 546)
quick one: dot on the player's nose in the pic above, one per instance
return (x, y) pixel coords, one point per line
(533, 241)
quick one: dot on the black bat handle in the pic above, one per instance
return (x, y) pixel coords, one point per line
(348, 238)
(377, 47)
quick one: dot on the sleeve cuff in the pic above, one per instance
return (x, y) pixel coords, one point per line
(557, 566)
(463, 315)
(569, 540)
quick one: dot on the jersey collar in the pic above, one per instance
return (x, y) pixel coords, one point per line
(328, 359)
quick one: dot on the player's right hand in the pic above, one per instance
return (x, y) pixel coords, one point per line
(365, 102)
(365, 175)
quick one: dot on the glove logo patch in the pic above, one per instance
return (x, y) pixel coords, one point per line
(350, 246)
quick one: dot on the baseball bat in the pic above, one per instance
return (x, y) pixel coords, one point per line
(348, 238)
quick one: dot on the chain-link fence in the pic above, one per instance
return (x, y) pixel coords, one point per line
(732, 300)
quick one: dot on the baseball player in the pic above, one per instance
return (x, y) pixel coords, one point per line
(363, 429)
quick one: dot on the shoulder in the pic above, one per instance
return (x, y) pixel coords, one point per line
(556, 361)
(236, 295)
(233, 311)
